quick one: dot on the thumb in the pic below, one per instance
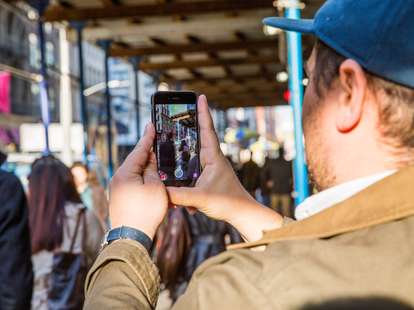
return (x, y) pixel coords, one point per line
(187, 197)
(150, 172)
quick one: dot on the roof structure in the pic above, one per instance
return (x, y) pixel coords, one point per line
(216, 47)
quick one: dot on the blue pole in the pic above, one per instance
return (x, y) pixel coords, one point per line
(84, 109)
(294, 48)
(106, 44)
(44, 101)
(40, 6)
(135, 63)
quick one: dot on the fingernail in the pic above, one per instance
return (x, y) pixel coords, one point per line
(146, 128)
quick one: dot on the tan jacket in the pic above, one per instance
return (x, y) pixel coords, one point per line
(362, 247)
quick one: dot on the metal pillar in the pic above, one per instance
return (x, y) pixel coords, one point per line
(105, 44)
(83, 105)
(44, 100)
(65, 96)
(294, 49)
(135, 63)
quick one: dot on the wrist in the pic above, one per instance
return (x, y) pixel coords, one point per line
(252, 219)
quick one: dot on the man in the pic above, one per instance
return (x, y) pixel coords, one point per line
(167, 159)
(15, 255)
(357, 240)
(250, 176)
(277, 177)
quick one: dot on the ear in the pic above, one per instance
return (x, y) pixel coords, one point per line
(352, 88)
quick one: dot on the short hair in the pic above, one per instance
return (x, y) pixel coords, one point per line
(79, 164)
(396, 102)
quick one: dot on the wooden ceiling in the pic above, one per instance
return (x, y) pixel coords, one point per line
(216, 47)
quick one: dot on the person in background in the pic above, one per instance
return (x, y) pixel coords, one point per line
(185, 240)
(167, 159)
(184, 157)
(277, 178)
(264, 185)
(92, 193)
(193, 168)
(250, 176)
(54, 207)
(16, 272)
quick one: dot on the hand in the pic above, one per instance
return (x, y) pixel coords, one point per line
(138, 198)
(218, 192)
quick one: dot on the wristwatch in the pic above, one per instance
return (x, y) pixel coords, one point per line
(125, 232)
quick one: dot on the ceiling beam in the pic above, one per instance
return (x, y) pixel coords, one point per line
(244, 102)
(150, 66)
(111, 3)
(249, 87)
(249, 77)
(119, 51)
(235, 77)
(248, 94)
(56, 13)
(168, 29)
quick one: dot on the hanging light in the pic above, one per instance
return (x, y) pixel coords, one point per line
(282, 76)
(163, 86)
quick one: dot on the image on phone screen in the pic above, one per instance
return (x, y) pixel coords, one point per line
(177, 143)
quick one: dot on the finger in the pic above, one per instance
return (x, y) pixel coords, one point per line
(136, 161)
(151, 175)
(187, 197)
(209, 142)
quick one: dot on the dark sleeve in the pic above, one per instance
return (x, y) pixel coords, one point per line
(234, 235)
(15, 255)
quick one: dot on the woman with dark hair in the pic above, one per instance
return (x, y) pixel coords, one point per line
(55, 208)
(184, 241)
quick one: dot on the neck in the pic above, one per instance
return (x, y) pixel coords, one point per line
(82, 187)
(365, 163)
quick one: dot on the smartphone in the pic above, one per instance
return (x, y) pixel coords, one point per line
(177, 139)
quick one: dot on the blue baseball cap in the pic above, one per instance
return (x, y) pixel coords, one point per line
(378, 34)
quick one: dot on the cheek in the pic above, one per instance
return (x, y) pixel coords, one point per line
(308, 109)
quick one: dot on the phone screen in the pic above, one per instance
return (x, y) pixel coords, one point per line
(177, 142)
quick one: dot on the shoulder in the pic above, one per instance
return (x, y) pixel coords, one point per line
(230, 280)
(72, 209)
(293, 273)
(12, 195)
(9, 180)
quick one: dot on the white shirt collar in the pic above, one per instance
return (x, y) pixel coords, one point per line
(331, 196)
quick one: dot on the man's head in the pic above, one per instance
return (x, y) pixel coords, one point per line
(358, 110)
(355, 123)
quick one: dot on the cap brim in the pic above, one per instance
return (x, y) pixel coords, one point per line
(289, 24)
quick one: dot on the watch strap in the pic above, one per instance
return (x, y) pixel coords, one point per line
(125, 232)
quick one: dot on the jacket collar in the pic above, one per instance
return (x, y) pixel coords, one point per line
(388, 200)
(336, 194)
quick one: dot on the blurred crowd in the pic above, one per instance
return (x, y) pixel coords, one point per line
(52, 232)
(271, 183)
